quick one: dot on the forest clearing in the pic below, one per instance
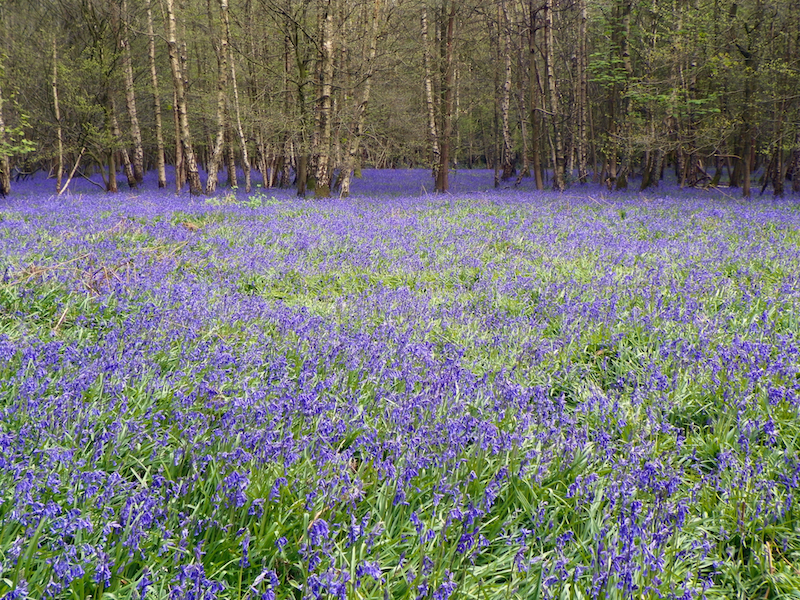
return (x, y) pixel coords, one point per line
(484, 394)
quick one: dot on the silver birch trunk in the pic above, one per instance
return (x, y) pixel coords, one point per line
(583, 92)
(237, 107)
(117, 136)
(505, 97)
(443, 174)
(130, 99)
(59, 131)
(189, 160)
(324, 106)
(433, 134)
(160, 166)
(552, 88)
(5, 164)
(361, 109)
(222, 83)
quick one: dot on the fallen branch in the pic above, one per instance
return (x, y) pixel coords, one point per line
(72, 174)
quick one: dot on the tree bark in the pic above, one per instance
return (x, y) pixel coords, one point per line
(192, 172)
(504, 25)
(222, 83)
(130, 98)
(433, 134)
(59, 130)
(324, 105)
(361, 109)
(583, 92)
(5, 164)
(123, 151)
(552, 88)
(533, 72)
(442, 176)
(233, 179)
(236, 106)
(162, 174)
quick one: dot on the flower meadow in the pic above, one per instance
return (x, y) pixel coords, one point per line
(489, 394)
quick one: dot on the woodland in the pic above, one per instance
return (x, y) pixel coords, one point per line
(304, 93)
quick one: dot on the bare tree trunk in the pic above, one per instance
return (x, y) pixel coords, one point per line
(361, 109)
(558, 153)
(534, 89)
(233, 180)
(111, 181)
(324, 106)
(5, 165)
(162, 175)
(236, 107)
(442, 176)
(192, 172)
(504, 26)
(117, 136)
(796, 165)
(180, 166)
(583, 92)
(222, 83)
(433, 134)
(130, 99)
(59, 131)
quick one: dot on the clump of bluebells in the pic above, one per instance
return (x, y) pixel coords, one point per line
(493, 394)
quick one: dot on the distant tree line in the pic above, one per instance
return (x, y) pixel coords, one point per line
(304, 93)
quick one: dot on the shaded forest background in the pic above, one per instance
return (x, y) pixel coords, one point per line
(304, 93)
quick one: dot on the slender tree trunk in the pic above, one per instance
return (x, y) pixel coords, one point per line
(180, 166)
(59, 131)
(324, 106)
(222, 83)
(123, 151)
(130, 98)
(233, 179)
(433, 134)
(5, 164)
(361, 109)
(583, 92)
(162, 174)
(111, 180)
(533, 73)
(237, 108)
(442, 176)
(189, 160)
(504, 25)
(558, 154)
(796, 166)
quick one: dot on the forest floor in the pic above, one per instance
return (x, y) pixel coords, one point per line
(484, 394)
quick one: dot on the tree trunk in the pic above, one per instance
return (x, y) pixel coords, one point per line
(536, 159)
(552, 88)
(233, 179)
(796, 166)
(237, 109)
(433, 134)
(324, 106)
(442, 176)
(117, 137)
(192, 172)
(130, 99)
(162, 174)
(5, 164)
(222, 83)
(59, 131)
(504, 25)
(583, 92)
(361, 109)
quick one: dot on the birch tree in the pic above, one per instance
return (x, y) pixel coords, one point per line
(189, 160)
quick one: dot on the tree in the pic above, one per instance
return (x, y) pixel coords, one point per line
(180, 102)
